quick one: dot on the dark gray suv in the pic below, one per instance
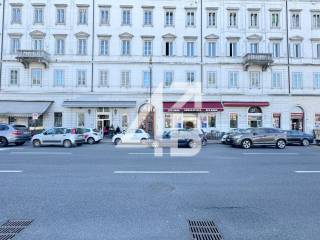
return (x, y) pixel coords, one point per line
(17, 134)
(260, 137)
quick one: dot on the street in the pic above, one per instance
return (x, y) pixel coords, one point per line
(103, 192)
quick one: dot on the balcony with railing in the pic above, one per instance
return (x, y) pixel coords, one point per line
(258, 59)
(32, 56)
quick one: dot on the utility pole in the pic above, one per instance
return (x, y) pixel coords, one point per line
(201, 45)
(92, 44)
(2, 31)
(288, 48)
(150, 115)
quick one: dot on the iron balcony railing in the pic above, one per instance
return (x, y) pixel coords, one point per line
(261, 59)
(28, 56)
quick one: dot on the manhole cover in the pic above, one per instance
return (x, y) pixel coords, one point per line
(10, 228)
(204, 230)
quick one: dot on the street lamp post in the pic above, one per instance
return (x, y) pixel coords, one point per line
(150, 114)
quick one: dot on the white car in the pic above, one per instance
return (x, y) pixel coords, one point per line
(131, 136)
(92, 135)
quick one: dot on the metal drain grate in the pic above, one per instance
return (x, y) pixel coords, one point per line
(10, 228)
(204, 230)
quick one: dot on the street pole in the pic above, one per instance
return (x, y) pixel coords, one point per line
(288, 49)
(2, 31)
(92, 45)
(150, 120)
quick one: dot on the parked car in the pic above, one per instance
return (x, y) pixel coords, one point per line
(131, 136)
(13, 134)
(66, 137)
(226, 138)
(260, 137)
(298, 137)
(92, 135)
(180, 138)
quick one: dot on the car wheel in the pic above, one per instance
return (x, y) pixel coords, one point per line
(3, 142)
(281, 144)
(246, 144)
(305, 142)
(143, 141)
(155, 144)
(20, 143)
(118, 141)
(91, 140)
(67, 144)
(192, 144)
(36, 143)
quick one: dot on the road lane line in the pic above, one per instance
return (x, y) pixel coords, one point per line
(264, 153)
(161, 172)
(11, 171)
(8, 149)
(307, 171)
(41, 153)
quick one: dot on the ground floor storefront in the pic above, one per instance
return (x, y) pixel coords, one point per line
(210, 114)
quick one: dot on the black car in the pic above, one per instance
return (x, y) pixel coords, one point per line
(298, 137)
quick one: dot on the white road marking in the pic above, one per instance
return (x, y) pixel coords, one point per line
(161, 172)
(41, 153)
(264, 153)
(307, 171)
(8, 149)
(11, 171)
(162, 153)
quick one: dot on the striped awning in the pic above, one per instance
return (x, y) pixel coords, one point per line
(97, 104)
(12, 108)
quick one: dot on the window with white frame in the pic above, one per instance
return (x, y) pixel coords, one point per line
(276, 49)
(169, 18)
(58, 80)
(125, 121)
(211, 79)
(233, 120)
(37, 44)
(296, 50)
(254, 47)
(80, 119)
(233, 81)
(254, 20)
(275, 20)
(316, 80)
(191, 77)
(232, 49)
(211, 49)
(190, 18)
(61, 15)
(104, 47)
(297, 80)
(60, 46)
(146, 78)
(125, 47)
(81, 78)
(169, 48)
(147, 17)
(14, 77)
(14, 45)
(233, 19)
(126, 16)
(255, 80)
(168, 79)
(295, 20)
(190, 49)
(316, 20)
(276, 80)
(36, 76)
(125, 79)
(38, 15)
(147, 48)
(317, 55)
(83, 16)
(16, 15)
(212, 18)
(104, 16)
(82, 46)
(103, 78)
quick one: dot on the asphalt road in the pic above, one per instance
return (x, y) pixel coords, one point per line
(105, 193)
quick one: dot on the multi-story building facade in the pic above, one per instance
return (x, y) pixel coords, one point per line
(207, 64)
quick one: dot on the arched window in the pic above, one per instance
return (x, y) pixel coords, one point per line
(254, 110)
(254, 117)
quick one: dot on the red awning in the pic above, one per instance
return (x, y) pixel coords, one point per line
(246, 104)
(192, 107)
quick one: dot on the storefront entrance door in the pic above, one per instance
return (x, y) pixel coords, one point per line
(103, 123)
(297, 123)
(190, 121)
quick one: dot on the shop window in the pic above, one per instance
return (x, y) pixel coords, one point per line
(168, 121)
(58, 119)
(177, 121)
(276, 120)
(255, 117)
(317, 121)
(233, 120)
(204, 121)
(12, 120)
(80, 119)
(212, 121)
(35, 124)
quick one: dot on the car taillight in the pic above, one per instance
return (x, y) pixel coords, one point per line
(16, 133)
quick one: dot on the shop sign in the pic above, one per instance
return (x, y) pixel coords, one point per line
(35, 116)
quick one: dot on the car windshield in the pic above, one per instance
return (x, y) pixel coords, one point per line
(20, 127)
